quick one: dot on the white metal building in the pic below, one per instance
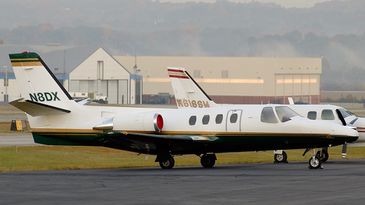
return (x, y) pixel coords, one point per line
(8, 89)
(100, 76)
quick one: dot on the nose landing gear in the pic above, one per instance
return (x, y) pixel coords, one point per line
(315, 162)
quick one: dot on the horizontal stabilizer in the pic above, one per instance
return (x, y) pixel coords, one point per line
(37, 109)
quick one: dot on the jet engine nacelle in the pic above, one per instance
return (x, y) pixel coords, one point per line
(150, 121)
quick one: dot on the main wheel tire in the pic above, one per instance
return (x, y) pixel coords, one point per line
(167, 162)
(281, 158)
(208, 160)
(314, 163)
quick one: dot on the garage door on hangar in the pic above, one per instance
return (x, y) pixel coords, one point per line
(117, 91)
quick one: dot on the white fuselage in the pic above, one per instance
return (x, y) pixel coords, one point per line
(323, 113)
(126, 119)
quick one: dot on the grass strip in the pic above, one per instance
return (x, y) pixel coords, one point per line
(32, 158)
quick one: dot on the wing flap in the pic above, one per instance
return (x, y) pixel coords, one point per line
(165, 138)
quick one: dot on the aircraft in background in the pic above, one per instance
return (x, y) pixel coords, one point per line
(332, 113)
(188, 94)
(56, 119)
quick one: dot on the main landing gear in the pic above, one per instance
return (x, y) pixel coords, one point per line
(280, 156)
(208, 160)
(167, 161)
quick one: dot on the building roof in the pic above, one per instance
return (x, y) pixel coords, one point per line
(88, 69)
(212, 66)
(226, 75)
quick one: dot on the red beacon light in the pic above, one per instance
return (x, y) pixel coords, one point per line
(158, 122)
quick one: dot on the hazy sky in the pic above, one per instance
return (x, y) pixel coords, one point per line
(285, 3)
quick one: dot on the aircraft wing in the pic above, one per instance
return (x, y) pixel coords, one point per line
(153, 143)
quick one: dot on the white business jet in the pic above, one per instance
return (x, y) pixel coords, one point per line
(56, 119)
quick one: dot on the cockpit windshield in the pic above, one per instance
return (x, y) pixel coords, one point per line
(345, 113)
(285, 113)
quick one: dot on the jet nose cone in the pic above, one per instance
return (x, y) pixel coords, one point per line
(338, 132)
(351, 130)
(359, 123)
(350, 134)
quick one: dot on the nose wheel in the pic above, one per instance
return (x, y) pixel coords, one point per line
(208, 160)
(315, 162)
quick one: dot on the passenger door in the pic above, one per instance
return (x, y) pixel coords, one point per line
(233, 121)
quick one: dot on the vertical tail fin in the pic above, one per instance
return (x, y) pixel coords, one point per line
(188, 94)
(36, 82)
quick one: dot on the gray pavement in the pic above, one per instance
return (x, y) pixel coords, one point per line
(8, 117)
(341, 182)
(16, 139)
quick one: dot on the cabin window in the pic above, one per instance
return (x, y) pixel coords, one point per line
(192, 120)
(219, 119)
(268, 115)
(312, 115)
(233, 118)
(327, 115)
(205, 119)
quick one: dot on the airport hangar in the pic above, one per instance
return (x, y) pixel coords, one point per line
(125, 79)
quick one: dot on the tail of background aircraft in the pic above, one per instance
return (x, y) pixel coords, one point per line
(42, 93)
(188, 94)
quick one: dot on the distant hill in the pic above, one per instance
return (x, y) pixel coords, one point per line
(334, 30)
(328, 18)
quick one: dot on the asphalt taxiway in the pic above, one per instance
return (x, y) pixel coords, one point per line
(340, 182)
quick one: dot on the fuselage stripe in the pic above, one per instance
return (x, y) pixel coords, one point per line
(176, 76)
(175, 70)
(28, 63)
